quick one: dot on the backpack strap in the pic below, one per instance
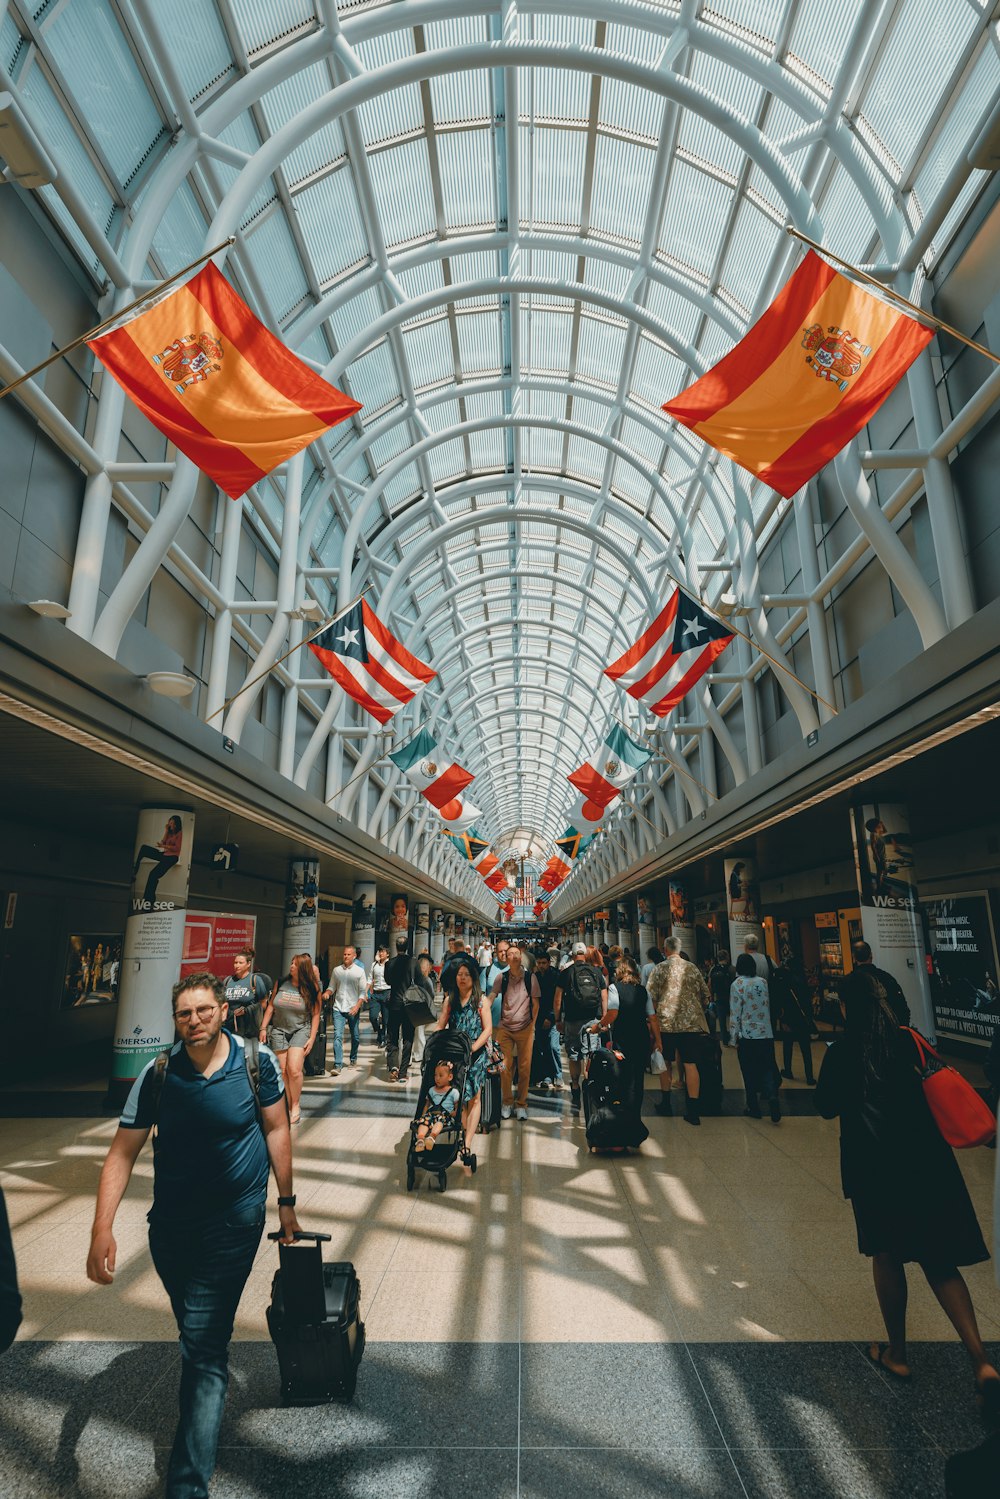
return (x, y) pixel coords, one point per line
(158, 1078)
(251, 1058)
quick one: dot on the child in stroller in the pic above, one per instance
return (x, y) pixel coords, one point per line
(442, 1106)
(436, 1138)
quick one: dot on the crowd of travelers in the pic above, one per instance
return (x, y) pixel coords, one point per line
(228, 1092)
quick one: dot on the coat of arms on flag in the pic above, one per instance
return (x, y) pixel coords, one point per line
(366, 659)
(218, 384)
(805, 379)
(671, 654)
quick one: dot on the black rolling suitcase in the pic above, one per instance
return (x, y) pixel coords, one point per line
(710, 1073)
(314, 1323)
(492, 1099)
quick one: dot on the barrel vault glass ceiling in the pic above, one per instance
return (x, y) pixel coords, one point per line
(534, 222)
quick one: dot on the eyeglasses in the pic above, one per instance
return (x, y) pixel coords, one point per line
(203, 1012)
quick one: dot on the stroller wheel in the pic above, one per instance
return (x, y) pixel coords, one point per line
(411, 1177)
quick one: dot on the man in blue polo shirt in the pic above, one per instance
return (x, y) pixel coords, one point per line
(211, 1150)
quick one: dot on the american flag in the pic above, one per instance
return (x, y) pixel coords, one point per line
(372, 666)
(670, 656)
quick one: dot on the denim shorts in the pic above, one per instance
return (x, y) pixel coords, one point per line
(282, 1040)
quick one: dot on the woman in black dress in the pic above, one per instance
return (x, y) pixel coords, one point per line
(910, 1201)
(632, 1021)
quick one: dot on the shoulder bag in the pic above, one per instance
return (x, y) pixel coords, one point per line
(962, 1116)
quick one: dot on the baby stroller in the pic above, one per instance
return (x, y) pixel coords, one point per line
(442, 1046)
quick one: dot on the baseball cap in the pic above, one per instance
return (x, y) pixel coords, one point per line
(579, 947)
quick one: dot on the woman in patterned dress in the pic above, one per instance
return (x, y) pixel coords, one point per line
(465, 1010)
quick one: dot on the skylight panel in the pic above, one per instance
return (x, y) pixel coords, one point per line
(418, 280)
(402, 487)
(447, 460)
(276, 261)
(819, 36)
(428, 351)
(901, 101)
(330, 221)
(401, 179)
(488, 449)
(695, 217)
(180, 234)
(623, 174)
(585, 459)
(374, 379)
(628, 108)
(288, 99)
(400, 110)
(980, 87)
(261, 23)
(466, 162)
(551, 188)
(545, 339)
(389, 446)
(600, 350)
(459, 98)
(488, 403)
(478, 343)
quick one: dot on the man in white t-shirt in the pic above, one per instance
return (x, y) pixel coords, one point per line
(378, 999)
(519, 996)
(348, 990)
(751, 946)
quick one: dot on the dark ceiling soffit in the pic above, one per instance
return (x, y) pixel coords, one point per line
(47, 668)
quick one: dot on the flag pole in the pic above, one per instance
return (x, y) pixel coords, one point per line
(115, 317)
(890, 292)
(290, 652)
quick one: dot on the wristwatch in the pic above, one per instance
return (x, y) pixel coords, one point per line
(286, 1202)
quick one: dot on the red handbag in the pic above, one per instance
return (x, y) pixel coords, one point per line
(961, 1115)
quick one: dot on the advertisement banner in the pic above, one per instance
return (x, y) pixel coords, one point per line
(646, 912)
(437, 935)
(963, 965)
(742, 904)
(460, 928)
(212, 940)
(891, 918)
(363, 922)
(153, 944)
(421, 927)
(682, 919)
(623, 924)
(90, 973)
(588, 930)
(301, 910)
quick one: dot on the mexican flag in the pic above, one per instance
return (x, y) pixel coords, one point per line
(608, 769)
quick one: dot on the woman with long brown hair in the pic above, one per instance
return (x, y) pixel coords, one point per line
(293, 1013)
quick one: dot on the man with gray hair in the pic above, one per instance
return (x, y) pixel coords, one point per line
(680, 996)
(751, 946)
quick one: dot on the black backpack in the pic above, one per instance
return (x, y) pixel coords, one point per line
(251, 1056)
(583, 994)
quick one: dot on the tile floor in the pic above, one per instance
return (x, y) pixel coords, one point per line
(688, 1321)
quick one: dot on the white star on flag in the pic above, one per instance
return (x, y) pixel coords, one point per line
(665, 662)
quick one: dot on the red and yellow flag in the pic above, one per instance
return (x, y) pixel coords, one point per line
(805, 379)
(218, 384)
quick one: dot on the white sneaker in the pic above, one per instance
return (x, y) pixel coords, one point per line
(522, 1113)
(506, 1111)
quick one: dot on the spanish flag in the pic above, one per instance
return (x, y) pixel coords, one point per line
(805, 379)
(218, 384)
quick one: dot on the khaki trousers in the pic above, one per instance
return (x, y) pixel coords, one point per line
(523, 1043)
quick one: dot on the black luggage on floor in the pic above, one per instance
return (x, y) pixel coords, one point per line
(314, 1324)
(612, 1122)
(492, 1100)
(710, 1073)
(315, 1063)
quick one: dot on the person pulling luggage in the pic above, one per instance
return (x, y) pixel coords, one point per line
(216, 1102)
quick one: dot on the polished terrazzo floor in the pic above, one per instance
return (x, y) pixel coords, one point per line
(688, 1321)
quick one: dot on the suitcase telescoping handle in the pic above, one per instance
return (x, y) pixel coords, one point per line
(302, 1234)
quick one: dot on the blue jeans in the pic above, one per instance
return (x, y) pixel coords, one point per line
(203, 1267)
(340, 1019)
(555, 1041)
(378, 1011)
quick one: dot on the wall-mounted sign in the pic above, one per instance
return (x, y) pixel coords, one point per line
(963, 966)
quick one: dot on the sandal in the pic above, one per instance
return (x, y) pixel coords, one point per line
(879, 1360)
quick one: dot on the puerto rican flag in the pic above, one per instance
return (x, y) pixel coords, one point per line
(372, 666)
(436, 778)
(609, 768)
(670, 656)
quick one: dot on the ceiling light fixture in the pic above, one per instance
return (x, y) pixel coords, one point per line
(170, 683)
(49, 609)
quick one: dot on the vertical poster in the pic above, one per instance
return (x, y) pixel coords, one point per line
(588, 930)
(963, 966)
(301, 910)
(682, 918)
(646, 913)
(421, 927)
(742, 904)
(363, 922)
(399, 918)
(153, 942)
(91, 971)
(891, 918)
(460, 930)
(437, 935)
(623, 923)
